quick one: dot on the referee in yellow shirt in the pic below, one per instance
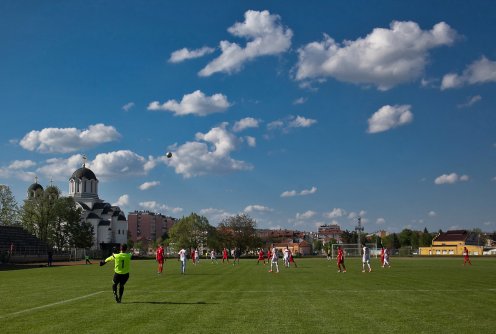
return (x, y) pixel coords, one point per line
(122, 263)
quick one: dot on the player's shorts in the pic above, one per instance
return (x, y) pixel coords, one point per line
(160, 260)
(120, 278)
(340, 261)
(366, 259)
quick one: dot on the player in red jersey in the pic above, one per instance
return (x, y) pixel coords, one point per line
(465, 256)
(225, 255)
(340, 260)
(291, 259)
(269, 255)
(159, 256)
(261, 256)
(193, 258)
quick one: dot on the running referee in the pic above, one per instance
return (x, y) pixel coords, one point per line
(122, 263)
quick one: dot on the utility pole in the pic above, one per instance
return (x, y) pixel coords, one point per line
(359, 229)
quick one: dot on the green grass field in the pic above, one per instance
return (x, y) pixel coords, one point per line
(417, 295)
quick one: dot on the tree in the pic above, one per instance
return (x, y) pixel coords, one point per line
(191, 232)
(37, 215)
(405, 237)
(9, 210)
(317, 245)
(242, 231)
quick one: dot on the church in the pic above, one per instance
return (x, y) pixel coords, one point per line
(109, 223)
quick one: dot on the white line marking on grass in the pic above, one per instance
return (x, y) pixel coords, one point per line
(49, 305)
(318, 291)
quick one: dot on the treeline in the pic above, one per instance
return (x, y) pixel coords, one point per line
(49, 216)
(195, 231)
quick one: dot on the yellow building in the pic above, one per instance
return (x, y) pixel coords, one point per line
(453, 243)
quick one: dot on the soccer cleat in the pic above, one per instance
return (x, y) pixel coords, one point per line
(116, 297)
(339, 271)
(363, 271)
(270, 271)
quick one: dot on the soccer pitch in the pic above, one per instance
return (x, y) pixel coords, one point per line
(416, 295)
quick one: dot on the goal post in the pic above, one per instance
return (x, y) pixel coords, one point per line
(353, 250)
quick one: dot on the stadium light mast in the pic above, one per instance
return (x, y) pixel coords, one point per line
(359, 229)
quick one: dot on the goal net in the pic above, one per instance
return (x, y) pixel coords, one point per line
(353, 250)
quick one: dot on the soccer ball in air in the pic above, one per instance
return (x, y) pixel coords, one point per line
(168, 154)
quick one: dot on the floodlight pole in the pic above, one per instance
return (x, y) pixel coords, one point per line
(359, 229)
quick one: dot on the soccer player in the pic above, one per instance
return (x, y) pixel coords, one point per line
(212, 256)
(121, 270)
(382, 256)
(87, 259)
(159, 256)
(365, 258)
(225, 255)
(197, 256)
(286, 257)
(182, 258)
(269, 255)
(261, 256)
(386, 259)
(340, 260)
(237, 255)
(465, 256)
(275, 259)
(291, 259)
(193, 258)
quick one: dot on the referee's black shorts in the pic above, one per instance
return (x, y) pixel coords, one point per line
(120, 278)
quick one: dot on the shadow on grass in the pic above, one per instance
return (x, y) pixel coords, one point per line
(5, 267)
(171, 303)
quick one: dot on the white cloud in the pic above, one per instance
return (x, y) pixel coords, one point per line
(471, 101)
(291, 122)
(389, 117)
(105, 165)
(155, 206)
(450, 178)
(479, 72)
(245, 123)
(185, 54)
(257, 208)
(384, 58)
(215, 215)
(300, 100)
(380, 221)
(6, 173)
(335, 213)
(266, 37)
(148, 185)
(305, 192)
(66, 140)
(128, 106)
(252, 141)
(432, 214)
(494, 179)
(21, 164)
(209, 154)
(196, 103)
(305, 215)
(123, 201)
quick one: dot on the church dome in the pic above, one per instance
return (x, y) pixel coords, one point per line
(84, 172)
(35, 187)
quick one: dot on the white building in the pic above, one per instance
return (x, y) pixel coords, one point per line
(109, 222)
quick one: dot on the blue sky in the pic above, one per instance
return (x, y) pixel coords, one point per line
(296, 115)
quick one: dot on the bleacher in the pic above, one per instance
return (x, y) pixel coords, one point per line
(24, 242)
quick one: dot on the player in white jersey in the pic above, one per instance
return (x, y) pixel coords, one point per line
(286, 257)
(275, 259)
(386, 258)
(365, 258)
(182, 258)
(212, 256)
